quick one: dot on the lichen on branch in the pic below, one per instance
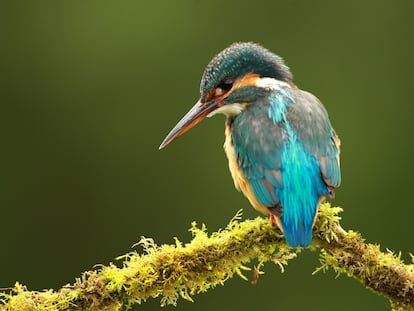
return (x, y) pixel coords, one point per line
(183, 270)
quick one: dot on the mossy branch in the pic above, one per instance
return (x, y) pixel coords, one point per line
(173, 271)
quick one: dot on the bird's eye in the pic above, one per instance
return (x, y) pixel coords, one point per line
(224, 87)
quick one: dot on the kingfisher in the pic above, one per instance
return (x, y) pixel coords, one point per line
(282, 151)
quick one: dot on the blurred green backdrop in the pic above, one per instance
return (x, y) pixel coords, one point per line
(90, 88)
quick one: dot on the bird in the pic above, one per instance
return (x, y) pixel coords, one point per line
(282, 150)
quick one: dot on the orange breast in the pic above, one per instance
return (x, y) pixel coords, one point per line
(240, 181)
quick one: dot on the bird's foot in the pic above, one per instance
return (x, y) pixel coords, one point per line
(273, 220)
(331, 191)
(276, 222)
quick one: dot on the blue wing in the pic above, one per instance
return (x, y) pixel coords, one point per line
(311, 124)
(258, 143)
(289, 153)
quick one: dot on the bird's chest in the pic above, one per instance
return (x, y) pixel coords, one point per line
(240, 180)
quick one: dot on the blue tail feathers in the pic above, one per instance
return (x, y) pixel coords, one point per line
(302, 187)
(298, 236)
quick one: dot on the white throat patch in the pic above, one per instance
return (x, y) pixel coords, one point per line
(271, 83)
(229, 110)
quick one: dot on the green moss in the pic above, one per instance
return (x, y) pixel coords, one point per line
(346, 252)
(182, 270)
(178, 270)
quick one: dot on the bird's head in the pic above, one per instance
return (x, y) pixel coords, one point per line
(233, 79)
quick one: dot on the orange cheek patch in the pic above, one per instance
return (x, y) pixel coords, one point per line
(249, 79)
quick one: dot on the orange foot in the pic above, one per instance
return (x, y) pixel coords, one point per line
(273, 220)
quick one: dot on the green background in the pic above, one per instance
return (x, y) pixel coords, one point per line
(90, 88)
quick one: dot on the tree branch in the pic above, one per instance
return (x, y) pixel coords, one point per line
(173, 271)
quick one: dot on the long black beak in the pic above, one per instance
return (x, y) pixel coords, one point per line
(199, 111)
